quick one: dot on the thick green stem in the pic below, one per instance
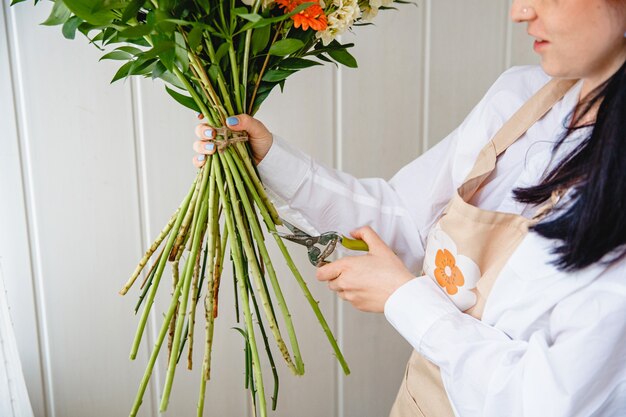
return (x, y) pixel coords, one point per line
(192, 91)
(155, 352)
(256, 272)
(191, 321)
(149, 252)
(216, 105)
(182, 309)
(251, 173)
(235, 68)
(192, 213)
(159, 273)
(301, 282)
(172, 325)
(213, 227)
(246, 56)
(258, 236)
(268, 350)
(220, 77)
(239, 268)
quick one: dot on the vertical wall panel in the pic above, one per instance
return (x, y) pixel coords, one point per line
(381, 107)
(81, 191)
(381, 131)
(14, 247)
(468, 41)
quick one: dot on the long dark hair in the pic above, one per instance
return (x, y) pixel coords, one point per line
(591, 225)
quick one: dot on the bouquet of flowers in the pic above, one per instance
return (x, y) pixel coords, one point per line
(219, 58)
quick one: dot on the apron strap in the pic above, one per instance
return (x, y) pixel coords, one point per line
(514, 128)
(531, 112)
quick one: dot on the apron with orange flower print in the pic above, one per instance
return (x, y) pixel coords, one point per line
(467, 248)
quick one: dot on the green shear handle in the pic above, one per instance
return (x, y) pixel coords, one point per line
(354, 244)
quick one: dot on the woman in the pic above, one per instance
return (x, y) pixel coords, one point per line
(508, 280)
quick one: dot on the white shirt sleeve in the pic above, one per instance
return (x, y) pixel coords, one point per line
(572, 366)
(402, 210)
(329, 199)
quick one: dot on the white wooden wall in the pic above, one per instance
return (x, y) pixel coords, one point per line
(89, 173)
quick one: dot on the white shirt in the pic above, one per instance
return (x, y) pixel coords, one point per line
(550, 343)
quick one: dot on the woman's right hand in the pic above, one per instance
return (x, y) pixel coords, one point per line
(260, 138)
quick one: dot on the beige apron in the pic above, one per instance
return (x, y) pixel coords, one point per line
(466, 250)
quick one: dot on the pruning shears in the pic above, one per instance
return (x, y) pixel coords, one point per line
(328, 242)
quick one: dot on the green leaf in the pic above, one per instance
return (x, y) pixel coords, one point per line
(194, 38)
(117, 55)
(343, 57)
(325, 59)
(59, 14)
(286, 47)
(168, 57)
(158, 71)
(183, 99)
(138, 31)
(130, 49)
(205, 5)
(252, 17)
(181, 51)
(297, 63)
(69, 27)
(276, 75)
(16, 1)
(123, 71)
(131, 10)
(157, 50)
(170, 78)
(260, 39)
(141, 67)
(90, 12)
(214, 72)
(238, 11)
(262, 94)
(221, 51)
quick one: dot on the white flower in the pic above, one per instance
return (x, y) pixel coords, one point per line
(369, 13)
(340, 20)
(456, 274)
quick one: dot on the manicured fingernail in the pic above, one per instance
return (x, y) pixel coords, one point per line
(209, 146)
(208, 133)
(200, 158)
(232, 121)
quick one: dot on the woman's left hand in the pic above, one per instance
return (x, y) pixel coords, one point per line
(366, 281)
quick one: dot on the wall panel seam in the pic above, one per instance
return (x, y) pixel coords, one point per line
(143, 214)
(426, 74)
(17, 84)
(338, 156)
(508, 44)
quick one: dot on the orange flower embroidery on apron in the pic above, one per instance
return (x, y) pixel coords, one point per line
(456, 274)
(447, 273)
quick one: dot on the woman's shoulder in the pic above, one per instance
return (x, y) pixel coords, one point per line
(521, 81)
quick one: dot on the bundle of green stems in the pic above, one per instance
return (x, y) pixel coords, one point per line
(227, 187)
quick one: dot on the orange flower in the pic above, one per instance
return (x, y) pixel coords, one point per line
(313, 16)
(447, 273)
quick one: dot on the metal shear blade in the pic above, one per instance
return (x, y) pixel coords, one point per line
(317, 256)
